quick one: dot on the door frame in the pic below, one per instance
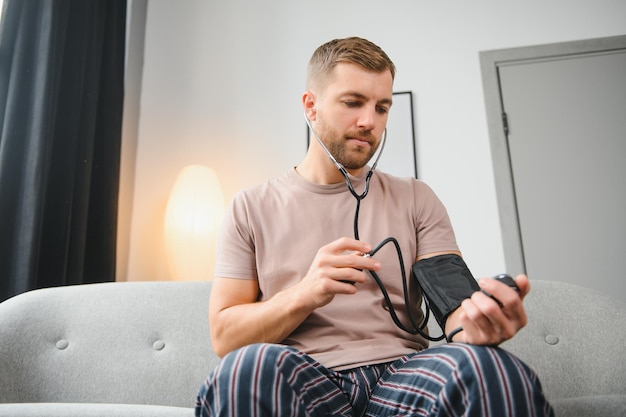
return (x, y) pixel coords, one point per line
(490, 62)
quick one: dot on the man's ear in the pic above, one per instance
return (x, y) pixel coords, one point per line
(308, 103)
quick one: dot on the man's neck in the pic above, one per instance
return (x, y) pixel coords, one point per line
(319, 169)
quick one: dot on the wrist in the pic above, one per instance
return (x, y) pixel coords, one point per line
(450, 336)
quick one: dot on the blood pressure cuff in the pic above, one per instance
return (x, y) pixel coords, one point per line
(445, 281)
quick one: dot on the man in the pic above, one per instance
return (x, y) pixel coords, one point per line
(295, 312)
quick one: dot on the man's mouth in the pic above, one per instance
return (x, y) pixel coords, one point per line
(360, 140)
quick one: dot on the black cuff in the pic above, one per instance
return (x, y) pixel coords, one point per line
(445, 281)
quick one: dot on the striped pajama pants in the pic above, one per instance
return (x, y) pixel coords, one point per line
(447, 380)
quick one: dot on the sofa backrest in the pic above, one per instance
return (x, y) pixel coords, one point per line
(131, 343)
(148, 343)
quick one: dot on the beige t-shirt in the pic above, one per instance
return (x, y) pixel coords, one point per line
(273, 231)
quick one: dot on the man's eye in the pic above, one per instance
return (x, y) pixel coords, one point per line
(382, 110)
(352, 103)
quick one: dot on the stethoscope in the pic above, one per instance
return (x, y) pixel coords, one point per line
(415, 329)
(344, 172)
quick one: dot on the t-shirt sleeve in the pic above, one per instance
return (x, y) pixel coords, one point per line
(236, 255)
(433, 227)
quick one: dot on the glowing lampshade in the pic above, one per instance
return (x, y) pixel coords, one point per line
(193, 215)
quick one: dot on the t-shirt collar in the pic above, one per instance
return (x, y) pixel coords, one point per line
(357, 182)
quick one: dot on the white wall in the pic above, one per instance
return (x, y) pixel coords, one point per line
(222, 84)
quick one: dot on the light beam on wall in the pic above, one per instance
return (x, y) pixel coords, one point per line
(192, 218)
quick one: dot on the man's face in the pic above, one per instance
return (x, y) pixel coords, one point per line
(352, 111)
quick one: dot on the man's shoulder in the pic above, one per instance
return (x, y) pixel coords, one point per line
(403, 182)
(272, 187)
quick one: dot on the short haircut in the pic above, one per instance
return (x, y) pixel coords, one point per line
(349, 50)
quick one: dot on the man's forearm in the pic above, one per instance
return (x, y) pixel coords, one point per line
(268, 321)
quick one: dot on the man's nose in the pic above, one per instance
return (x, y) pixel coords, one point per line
(367, 118)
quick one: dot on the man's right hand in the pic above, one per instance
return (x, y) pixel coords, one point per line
(237, 318)
(336, 269)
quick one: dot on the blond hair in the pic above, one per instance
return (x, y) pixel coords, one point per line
(349, 50)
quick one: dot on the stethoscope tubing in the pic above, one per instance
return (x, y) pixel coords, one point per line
(416, 329)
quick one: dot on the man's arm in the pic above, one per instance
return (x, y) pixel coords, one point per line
(237, 318)
(483, 321)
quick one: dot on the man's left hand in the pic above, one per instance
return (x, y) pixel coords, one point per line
(486, 321)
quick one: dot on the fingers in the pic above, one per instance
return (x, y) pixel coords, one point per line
(484, 322)
(345, 243)
(496, 313)
(341, 270)
(510, 300)
(352, 261)
(348, 253)
(337, 267)
(523, 284)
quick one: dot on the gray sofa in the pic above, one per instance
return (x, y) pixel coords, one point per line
(143, 349)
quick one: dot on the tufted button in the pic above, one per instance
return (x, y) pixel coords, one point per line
(62, 344)
(552, 339)
(158, 345)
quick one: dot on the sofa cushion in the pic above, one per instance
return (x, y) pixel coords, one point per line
(91, 410)
(575, 340)
(596, 406)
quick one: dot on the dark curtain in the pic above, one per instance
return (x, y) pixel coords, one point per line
(61, 99)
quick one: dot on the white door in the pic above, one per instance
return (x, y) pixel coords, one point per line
(563, 114)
